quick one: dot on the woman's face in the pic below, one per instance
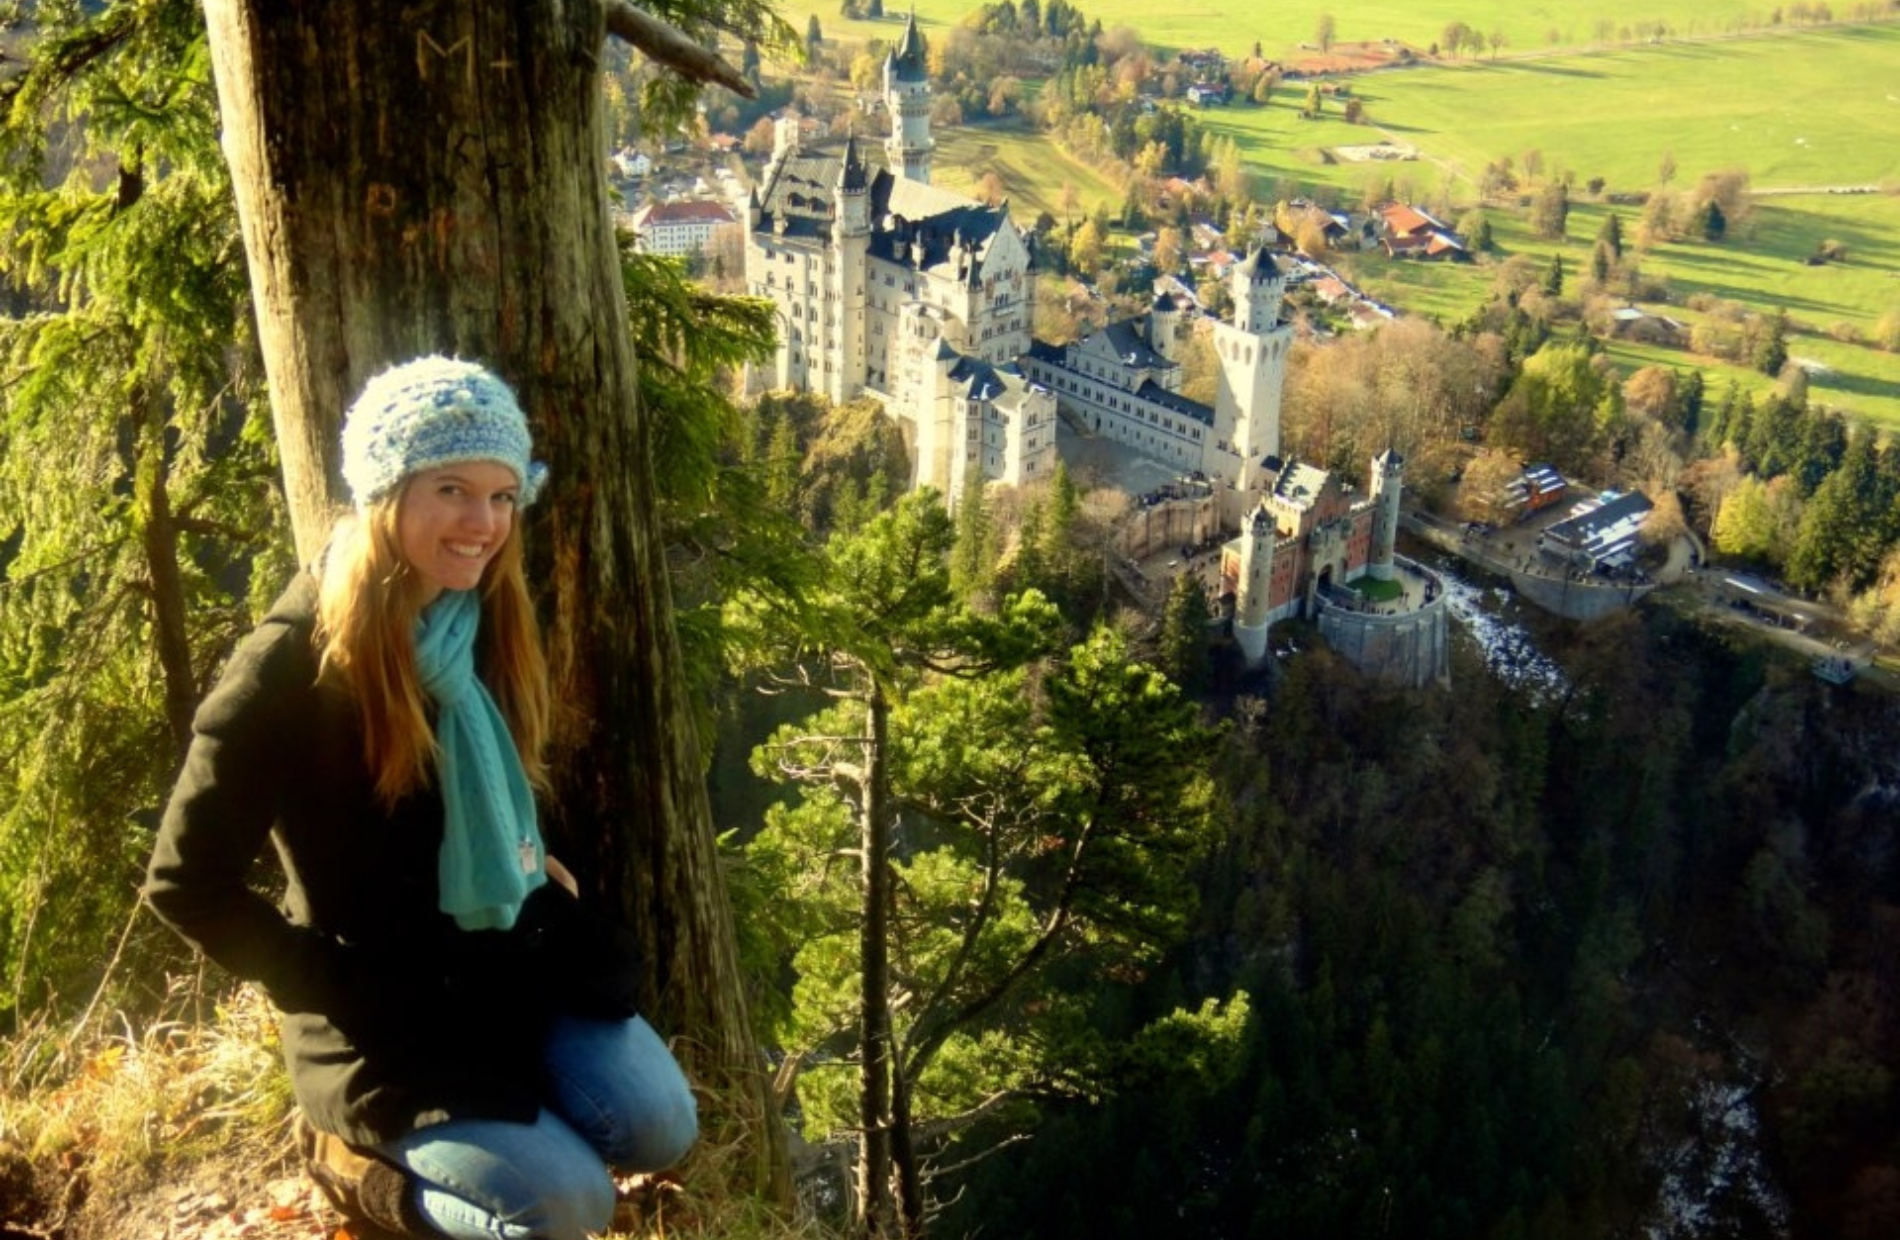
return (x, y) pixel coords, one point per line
(452, 522)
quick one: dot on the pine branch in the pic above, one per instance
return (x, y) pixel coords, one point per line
(666, 45)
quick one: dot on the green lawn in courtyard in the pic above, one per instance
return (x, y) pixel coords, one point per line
(1375, 590)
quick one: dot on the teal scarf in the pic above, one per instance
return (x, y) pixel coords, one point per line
(491, 848)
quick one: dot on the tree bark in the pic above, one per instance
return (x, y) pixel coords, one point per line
(428, 177)
(875, 1212)
(158, 537)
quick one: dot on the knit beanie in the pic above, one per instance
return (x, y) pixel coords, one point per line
(430, 412)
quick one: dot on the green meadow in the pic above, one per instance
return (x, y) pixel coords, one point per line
(1235, 25)
(1817, 108)
(1033, 168)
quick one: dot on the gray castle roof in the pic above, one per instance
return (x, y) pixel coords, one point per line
(1126, 340)
(1264, 264)
(802, 190)
(907, 59)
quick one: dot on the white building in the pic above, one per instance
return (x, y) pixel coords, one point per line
(679, 227)
(1124, 383)
(888, 286)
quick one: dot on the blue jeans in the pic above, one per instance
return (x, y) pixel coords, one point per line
(615, 1096)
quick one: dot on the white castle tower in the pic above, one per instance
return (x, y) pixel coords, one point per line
(851, 244)
(1251, 600)
(1388, 477)
(1252, 351)
(907, 97)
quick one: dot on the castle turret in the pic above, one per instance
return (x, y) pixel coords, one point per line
(1252, 352)
(1388, 479)
(1164, 327)
(845, 316)
(925, 397)
(1259, 287)
(1253, 602)
(907, 97)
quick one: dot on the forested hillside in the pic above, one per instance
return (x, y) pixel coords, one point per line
(1620, 963)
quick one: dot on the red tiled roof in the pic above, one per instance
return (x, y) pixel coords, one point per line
(699, 212)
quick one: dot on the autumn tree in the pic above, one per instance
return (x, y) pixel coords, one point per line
(1562, 408)
(1085, 251)
(1550, 210)
(478, 225)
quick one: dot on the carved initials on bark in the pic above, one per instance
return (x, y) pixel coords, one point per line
(425, 44)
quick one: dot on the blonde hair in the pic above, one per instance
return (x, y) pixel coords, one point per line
(368, 599)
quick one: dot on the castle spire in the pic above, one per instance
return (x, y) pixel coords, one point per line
(907, 97)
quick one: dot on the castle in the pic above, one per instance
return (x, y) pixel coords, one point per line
(890, 287)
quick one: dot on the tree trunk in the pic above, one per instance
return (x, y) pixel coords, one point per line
(904, 1161)
(158, 538)
(427, 177)
(876, 1215)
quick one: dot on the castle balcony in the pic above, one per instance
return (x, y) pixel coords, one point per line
(1411, 587)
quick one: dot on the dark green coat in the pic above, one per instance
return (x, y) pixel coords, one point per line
(393, 1016)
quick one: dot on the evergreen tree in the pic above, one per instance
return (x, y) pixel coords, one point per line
(1611, 236)
(1715, 430)
(882, 619)
(1711, 221)
(1839, 538)
(1183, 654)
(139, 526)
(1554, 275)
(971, 556)
(1771, 354)
(1690, 390)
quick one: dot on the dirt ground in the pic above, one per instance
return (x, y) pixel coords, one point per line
(1353, 58)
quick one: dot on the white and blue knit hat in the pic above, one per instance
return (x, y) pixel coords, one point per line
(430, 412)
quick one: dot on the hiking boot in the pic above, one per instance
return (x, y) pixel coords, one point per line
(372, 1193)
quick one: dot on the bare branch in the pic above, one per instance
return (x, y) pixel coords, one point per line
(666, 45)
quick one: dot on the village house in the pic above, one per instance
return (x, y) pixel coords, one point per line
(631, 165)
(1408, 232)
(1632, 323)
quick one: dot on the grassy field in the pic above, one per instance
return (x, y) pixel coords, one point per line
(1033, 168)
(1234, 25)
(1818, 108)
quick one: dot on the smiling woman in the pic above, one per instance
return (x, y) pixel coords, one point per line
(460, 1031)
(452, 522)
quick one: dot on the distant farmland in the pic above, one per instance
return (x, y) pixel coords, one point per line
(1233, 26)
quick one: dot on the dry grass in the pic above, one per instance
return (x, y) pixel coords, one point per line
(125, 1098)
(182, 1128)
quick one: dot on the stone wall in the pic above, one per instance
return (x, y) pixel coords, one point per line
(1576, 600)
(1170, 523)
(1410, 647)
